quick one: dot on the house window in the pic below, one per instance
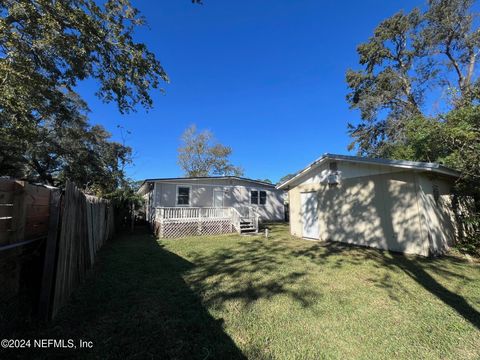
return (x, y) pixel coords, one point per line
(254, 197)
(333, 166)
(183, 195)
(258, 197)
(263, 197)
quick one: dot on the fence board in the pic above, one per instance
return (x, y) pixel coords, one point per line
(77, 226)
(19, 212)
(6, 197)
(20, 224)
(48, 275)
(5, 224)
(36, 195)
(37, 210)
(4, 238)
(7, 185)
(87, 222)
(6, 210)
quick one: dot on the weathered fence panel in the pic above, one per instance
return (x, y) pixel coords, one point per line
(24, 213)
(87, 222)
(48, 241)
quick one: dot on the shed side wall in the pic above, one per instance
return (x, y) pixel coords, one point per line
(437, 214)
(379, 210)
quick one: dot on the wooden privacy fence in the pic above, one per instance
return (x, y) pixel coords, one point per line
(24, 214)
(84, 224)
(23, 211)
(65, 231)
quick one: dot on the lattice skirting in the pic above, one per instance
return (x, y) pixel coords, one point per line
(184, 228)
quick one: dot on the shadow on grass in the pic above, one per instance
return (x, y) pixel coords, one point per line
(413, 266)
(138, 306)
(254, 269)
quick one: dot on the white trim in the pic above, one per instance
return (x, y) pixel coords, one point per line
(192, 180)
(403, 164)
(267, 188)
(189, 195)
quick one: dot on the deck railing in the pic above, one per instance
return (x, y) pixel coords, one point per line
(187, 221)
(177, 213)
(236, 218)
(253, 214)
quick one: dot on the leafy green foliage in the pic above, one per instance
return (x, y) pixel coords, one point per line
(126, 202)
(200, 155)
(46, 48)
(50, 46)
(60, 148)
(408, 56)
(285, 178)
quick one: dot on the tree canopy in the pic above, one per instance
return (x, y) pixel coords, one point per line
(201, 155)
(411, 63)
(285, 178)
(410, 59)
(46, 48)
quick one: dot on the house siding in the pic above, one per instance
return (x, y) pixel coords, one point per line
(236, 194)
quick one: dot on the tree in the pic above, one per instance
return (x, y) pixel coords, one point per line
(60, 148)
(201, 155)
(407, 56)
(49, 46)
(46, 48)
(449, 31)
(285, 178)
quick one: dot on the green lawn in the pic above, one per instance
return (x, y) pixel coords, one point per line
(279, 298)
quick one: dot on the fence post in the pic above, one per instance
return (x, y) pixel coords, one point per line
(19, 215)
(48, 276)
(132, 215)
(199, 228)
(162, 214)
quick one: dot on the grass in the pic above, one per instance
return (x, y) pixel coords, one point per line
(278, 298)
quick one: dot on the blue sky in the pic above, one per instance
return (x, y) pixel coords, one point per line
(266, 77)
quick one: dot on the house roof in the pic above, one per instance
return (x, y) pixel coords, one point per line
(199, 178)
(404, 164)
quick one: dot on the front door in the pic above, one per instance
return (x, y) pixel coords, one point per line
(310, 215)
(217, 198)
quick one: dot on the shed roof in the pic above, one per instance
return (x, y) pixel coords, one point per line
(405, 164)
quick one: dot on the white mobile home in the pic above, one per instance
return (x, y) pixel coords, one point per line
(246, 200)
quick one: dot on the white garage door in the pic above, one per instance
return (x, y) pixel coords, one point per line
(310, 215)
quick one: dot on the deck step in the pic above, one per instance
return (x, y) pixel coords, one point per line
(248, 229)
(247, 226)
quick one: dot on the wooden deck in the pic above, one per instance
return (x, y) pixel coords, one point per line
(176, 222)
